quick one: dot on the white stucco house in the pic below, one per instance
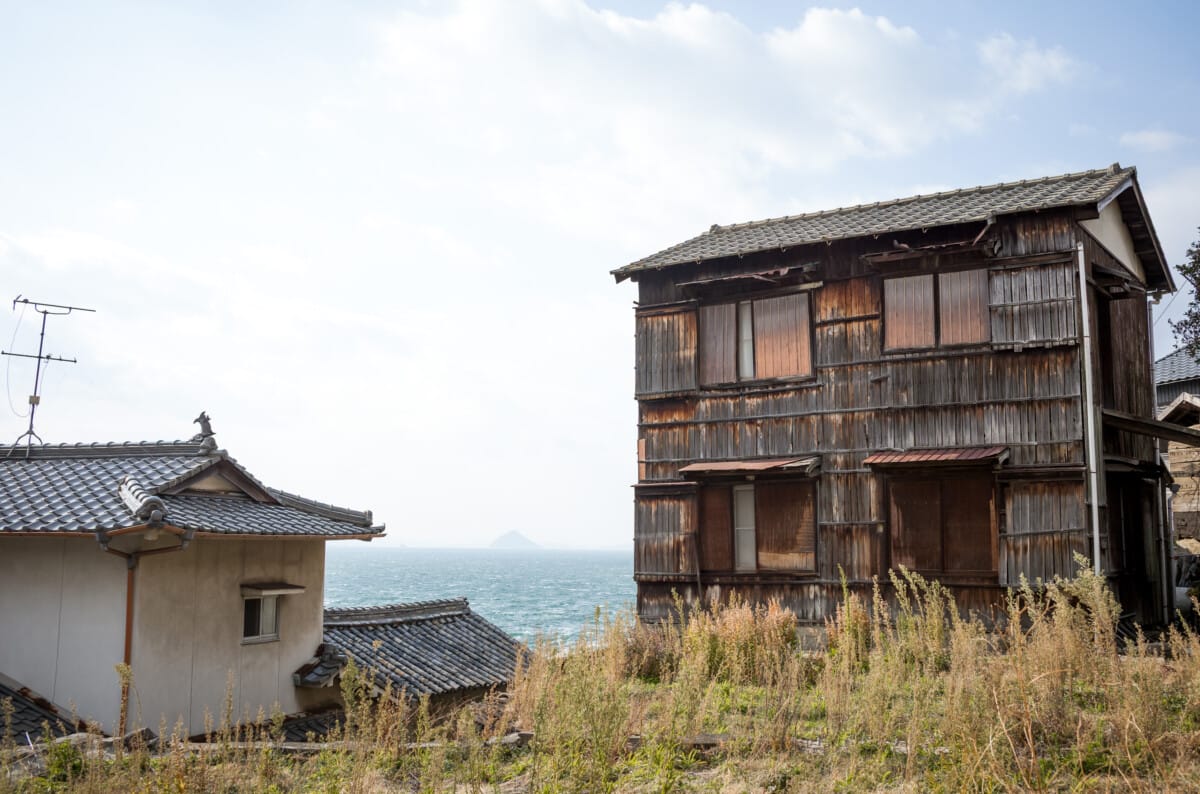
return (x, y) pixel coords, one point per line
(169, 558)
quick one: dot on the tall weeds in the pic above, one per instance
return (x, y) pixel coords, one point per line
(908, 693)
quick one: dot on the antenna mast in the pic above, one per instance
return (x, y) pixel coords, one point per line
(44, 309)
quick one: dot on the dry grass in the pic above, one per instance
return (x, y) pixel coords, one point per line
(914, 698)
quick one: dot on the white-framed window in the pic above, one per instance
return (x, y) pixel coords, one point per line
(745, 549)
(260, 621)
(260, 609)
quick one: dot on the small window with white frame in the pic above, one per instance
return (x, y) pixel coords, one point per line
(260, 610)
(260, 622)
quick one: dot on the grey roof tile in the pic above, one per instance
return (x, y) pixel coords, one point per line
(916, 212)
(99, 487)
(31, 713)
(426, 648)
(1175, 367)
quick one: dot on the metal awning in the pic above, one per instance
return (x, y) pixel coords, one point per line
(938, 457)
(806, 465)
(261, 589)
(1151, 427)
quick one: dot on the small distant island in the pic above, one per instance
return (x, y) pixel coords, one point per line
(513, 540)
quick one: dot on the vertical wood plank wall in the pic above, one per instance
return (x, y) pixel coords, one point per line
(1021, 390)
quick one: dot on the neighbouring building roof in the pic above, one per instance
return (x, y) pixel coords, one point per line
(88, 488)
(31, 714)
(425, 648)
(966, 205)
(1175, 367)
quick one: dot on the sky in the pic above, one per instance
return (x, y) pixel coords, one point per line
(373, 240)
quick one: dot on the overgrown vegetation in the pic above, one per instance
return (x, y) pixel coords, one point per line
(914, 698)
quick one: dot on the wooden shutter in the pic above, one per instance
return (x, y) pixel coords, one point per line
(782, 346)
(716, 528)
(915, 522)
(666, 353)
(970, 543)
(963, 307)
(908, 312)
(786, 525)
(718, 343)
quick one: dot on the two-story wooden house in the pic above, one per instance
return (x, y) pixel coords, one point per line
(958, 383)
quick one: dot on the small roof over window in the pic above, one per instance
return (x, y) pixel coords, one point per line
(806, 465)
(260, 589)
(938, 457)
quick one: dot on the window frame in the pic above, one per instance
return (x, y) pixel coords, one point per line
(745, 354)
(261, 636)
(936, 300)
(730, 528)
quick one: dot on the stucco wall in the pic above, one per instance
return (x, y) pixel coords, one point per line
(62, 621)
(1113, 234)
(187, 641)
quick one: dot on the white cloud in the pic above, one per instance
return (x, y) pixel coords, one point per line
(1152, 140)
(1022, 67)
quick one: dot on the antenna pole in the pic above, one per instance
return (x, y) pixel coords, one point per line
(35, 399)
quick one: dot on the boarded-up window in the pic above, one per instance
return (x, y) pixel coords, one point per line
(908, 312)
(764, 526)
(718, 343)
(963, 307)
(764, 338)
(665, 353)
(920, 311)
(781, 347)
(716, 528)
(786, 526)
(943, 525)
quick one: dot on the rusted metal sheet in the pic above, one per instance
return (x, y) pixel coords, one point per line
(801, 465)
(923, 456)
(716, 528)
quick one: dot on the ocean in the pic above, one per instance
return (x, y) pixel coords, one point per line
(525, 592)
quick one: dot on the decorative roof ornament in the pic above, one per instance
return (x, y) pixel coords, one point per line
(205, 436)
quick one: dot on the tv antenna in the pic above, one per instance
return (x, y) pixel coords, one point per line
(35, 399)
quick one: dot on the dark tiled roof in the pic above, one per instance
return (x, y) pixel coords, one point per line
(31, 713)
(1175, 367)
(917, 212)
(102, 487)
(427, 648)
(303, 727)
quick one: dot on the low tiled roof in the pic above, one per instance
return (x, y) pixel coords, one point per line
(966, 205)
(426, 648)
(1175, 367)
(105, 487)
(31, 714)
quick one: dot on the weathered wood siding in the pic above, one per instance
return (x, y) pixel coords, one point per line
(664, 534)
(1046, 526)
(666, 353)
(1020, 389)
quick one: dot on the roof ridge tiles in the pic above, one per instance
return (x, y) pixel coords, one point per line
(396, 613)
(361, 517)
(1107, 171)
(908, 213)
(104, 449)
